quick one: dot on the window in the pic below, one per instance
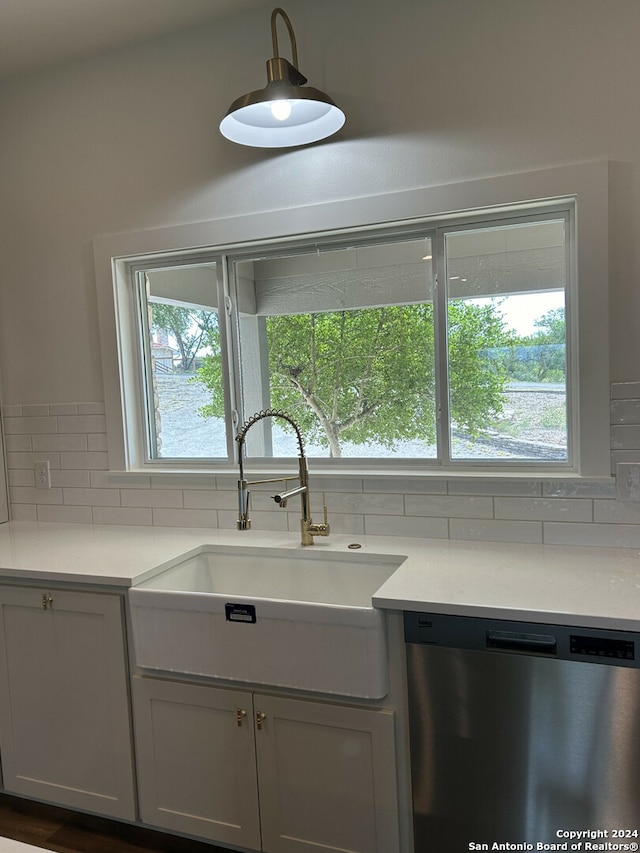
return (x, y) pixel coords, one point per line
(507, 293)
(179, 336)
(438, 343)
(343, 337)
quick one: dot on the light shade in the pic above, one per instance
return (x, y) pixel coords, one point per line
(286, 112)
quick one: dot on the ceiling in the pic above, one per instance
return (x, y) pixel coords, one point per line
(37, 33)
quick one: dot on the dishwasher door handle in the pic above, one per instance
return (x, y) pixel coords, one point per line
(512, 641)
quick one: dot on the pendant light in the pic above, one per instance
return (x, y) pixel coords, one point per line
(286, 112)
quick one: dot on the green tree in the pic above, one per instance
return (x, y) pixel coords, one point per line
(551, 327)
(541, 356)
(476, 378)
(189, 328)
(368, 375)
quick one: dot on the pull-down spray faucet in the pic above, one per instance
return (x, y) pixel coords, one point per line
(307, 528)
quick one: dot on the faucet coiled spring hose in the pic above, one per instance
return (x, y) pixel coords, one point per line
(269, 413)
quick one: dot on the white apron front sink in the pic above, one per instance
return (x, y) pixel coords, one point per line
(288, 618)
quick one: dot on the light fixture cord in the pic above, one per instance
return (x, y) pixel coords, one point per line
(274, 34)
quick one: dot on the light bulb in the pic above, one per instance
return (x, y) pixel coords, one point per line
(281, 110)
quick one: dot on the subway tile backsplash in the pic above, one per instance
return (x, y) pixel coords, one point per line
(72, 438)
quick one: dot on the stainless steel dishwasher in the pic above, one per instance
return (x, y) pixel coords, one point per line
(520, 732)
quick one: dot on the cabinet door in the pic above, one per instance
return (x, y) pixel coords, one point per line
(65, 728)
(196, 760)
(326, 777)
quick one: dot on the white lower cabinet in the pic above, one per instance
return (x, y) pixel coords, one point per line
(65, 732)
(265, 772)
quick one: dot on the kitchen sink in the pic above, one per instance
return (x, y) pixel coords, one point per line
(284, 617)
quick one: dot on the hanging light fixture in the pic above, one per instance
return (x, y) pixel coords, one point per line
(286, 112)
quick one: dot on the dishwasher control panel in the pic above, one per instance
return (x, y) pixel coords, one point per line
(602, 647)
(560, 642)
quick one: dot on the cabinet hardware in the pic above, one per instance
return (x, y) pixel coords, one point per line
(260, 718)
(47, 601)
(240, 715)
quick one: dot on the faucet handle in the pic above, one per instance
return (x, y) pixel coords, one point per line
(322, 529)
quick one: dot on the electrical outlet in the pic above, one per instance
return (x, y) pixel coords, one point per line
(43, 474)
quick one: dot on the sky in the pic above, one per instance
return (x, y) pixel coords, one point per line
(520, 311)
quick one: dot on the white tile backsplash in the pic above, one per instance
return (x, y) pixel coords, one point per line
(625, 391)
(616, 512)
(625, 437)
(22, 477)
(421, 528)
(405, 485)
(31, 495)
(23, 425)
(153, 498)
(206, 499)
(90, 409)
(579, 489)
(91, 497)
(367, 504)
(342, 523)
(122, 515)
(544, 509)
(82, 423)
(17, 442)
(163, 517)
(73, 479)
(598, 535)
(96, 441)
(32, 410)
(91, 460)
(66, 514)
(449, 506)
(115, 480)
(523, 488)
(24, 512)
(625, 411)
(59, 442)
(72, 437)
(63, 408)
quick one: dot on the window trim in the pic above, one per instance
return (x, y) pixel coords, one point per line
(587, 184)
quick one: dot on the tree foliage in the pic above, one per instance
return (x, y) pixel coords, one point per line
(355, 375)
(476, 379)
(541, 356)
(189, 328)
(368, 375)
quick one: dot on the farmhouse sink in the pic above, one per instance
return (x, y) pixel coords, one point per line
(275, 616)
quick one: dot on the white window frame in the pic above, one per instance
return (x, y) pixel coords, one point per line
(585, 185)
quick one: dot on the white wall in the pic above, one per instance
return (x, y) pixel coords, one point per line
(435, 91)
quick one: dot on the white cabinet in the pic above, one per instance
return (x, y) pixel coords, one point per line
(280, 774)
(196, 760)
(65, 732)
(326, 777)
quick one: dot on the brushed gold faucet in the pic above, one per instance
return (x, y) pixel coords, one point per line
(307, 527)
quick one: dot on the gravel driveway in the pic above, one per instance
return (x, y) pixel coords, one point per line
(531, 427)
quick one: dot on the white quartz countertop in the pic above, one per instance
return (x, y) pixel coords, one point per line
(598, 587)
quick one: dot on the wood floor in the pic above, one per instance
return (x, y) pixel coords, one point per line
(69, 832)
